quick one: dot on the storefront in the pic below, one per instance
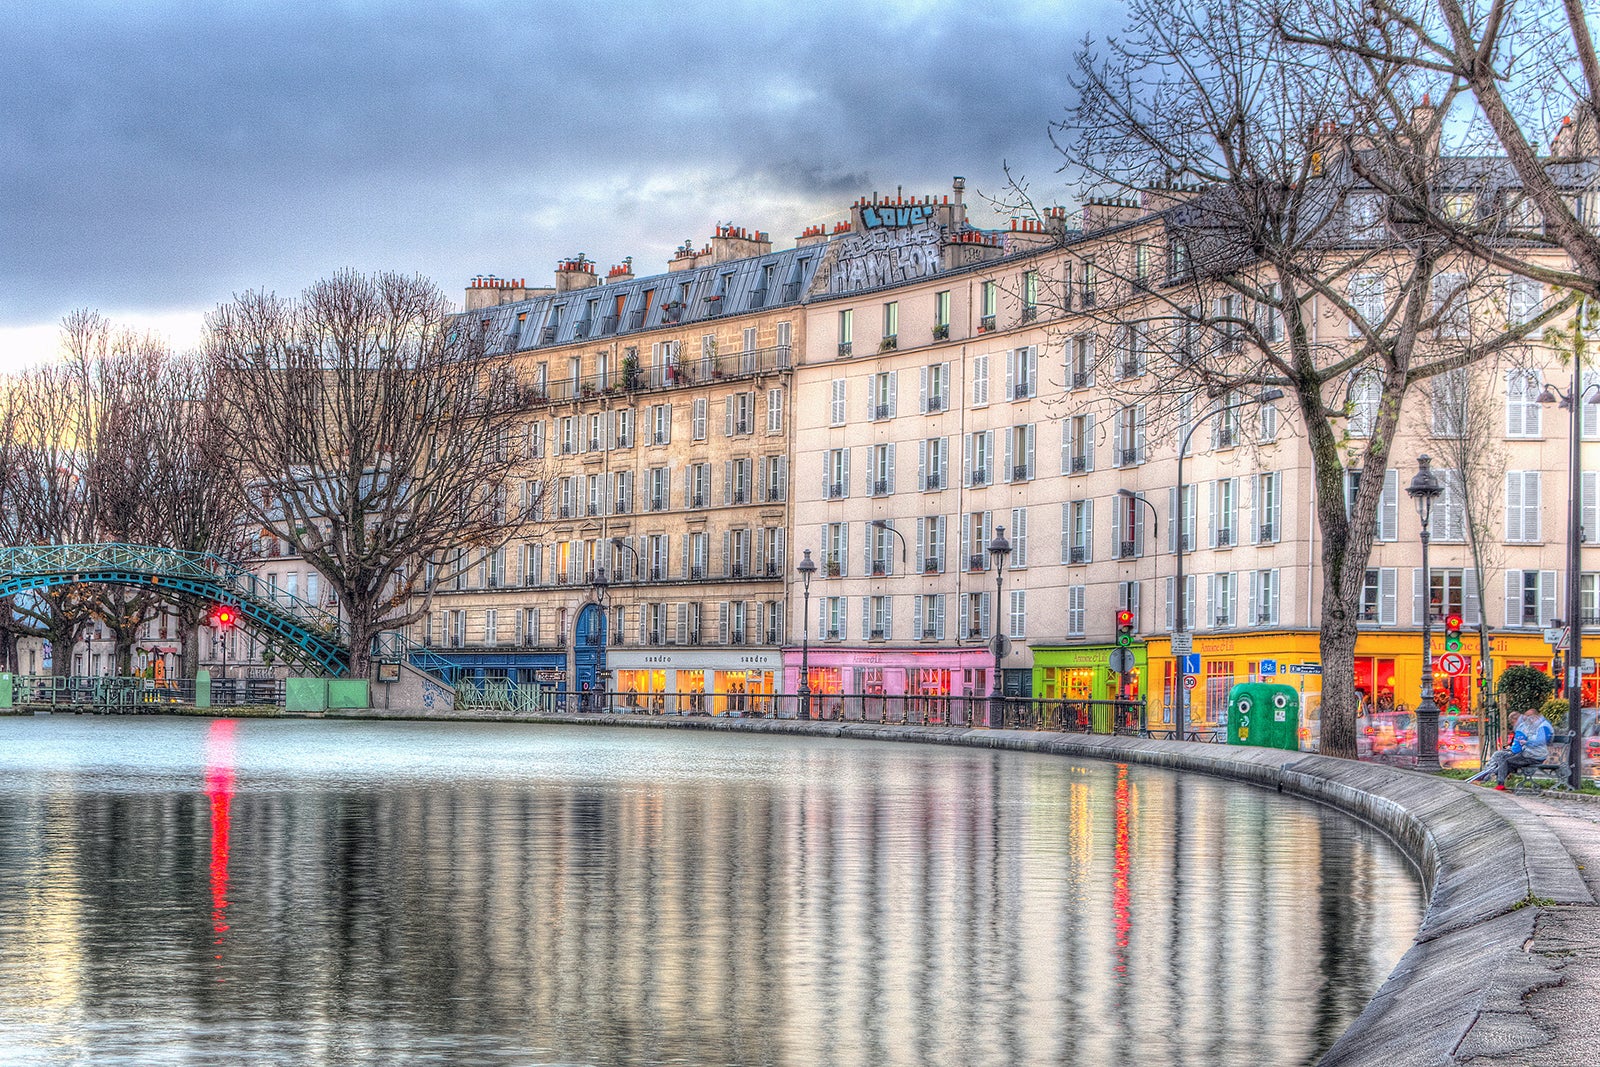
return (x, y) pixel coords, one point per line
(693, 682)
(544, 670)
(935, 675)
(1083, 672)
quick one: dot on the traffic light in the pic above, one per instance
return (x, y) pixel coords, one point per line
(224, 617)
(1452, 632)
(1124, 628)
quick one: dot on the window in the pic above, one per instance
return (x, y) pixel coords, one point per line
(1077, 444)
(736, 480)
(836, 411)
(1365, 394)
(661, 424)
(880, 469)
(1076, 596)
(739, 414)
(1179, 262)
(1077, 531)
(881, 544)
(1018, 466)
(891, 323)
(1081, 370)
(1453, 590)
(1387, 518)
(1018, 627)
(1461, 208)
(1190, 611)
(1224, 501)
(1263, 604)
(1128, 436)
(927, 617)
(1449, 519)
(1366, 302)
(878, 618)
(930, 544)
(978, 460)
(1266, 511)
(882, 396)
(1019, 538)
(774, 478)
(696, 556)
(835, 549)
(697, 419)
(774, 411)
(1269, 319)
(569, 435)
(1022, 373)
(1522, 404)
(836, 474)
(975, 616)
(1378, 597)
(1365, 213)
(941, 315)
(1222, 591)
(1090, 280)
(1447, 403)
(1523, 297)
(1450, 306)
(660, 485)
(1141, 264)
(1522, 507)
(989, 296)
(831, 618)
(697, 485)
(980, 381)
(976, 530)
(1130, 355)
(1128, 516)
(935, 388)
(622, 493)
(1530, 598)
(847, 327)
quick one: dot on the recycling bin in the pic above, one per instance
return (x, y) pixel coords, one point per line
(1263, 714)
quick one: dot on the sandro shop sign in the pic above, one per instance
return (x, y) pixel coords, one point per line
(696, 661)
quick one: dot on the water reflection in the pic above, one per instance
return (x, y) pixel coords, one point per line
(176, 892)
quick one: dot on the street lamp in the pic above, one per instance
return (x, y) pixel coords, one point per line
(602, 675)
(883, 524)
(999, 551)
(1424, 489)
(1124, 655)
(1570, 402)
(806, 568)
(1180, 698)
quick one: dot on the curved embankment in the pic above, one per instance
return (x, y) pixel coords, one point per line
(1489, 869)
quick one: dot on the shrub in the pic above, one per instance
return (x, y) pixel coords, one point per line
(1525, 687)
(1555, 709)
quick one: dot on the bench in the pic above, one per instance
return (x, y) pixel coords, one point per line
(1549, 775)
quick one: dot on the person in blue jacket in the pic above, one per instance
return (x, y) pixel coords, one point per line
(1530, 745)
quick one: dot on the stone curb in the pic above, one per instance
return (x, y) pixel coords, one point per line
(1488, 867)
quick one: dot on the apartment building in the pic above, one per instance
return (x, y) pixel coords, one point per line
(659, 414)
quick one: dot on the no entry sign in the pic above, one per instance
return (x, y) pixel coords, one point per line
(1452, 663)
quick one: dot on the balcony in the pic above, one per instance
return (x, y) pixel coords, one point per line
(974, 631)
(739, 496)
(1021, 473)
(889, 344)
(658, 503)
(833, 634)
(1223, 620)
(743, 426)
(1021, 390)
(547, 335)
(832, 569)
(1267, 532)
(774, 495)
(941, 332)
(934, 481)
(594, 444)
(1127, 549)
(844, 349)
(566, 511)
(1132, 370)
(1079, 554)
(736, 637)
(660, 437)
(986, 324)
(876, 634)
(1224, 538)
(699, 501)
(1265, 618)
(934, 405)
(930, 633)
(658, 573)
(836, 491)
(790, 292)
(1086, 297)
(1030, 312)
(880, 487)
(879, 569)
(980, 477)
(881, 411)
(621, 507)
(696, 573)
(931, 566)
(977, 562)
(1227, 438)
(594, 510)
(1080, 464)
(609, 324)
(1130, 456)
(1082, 379)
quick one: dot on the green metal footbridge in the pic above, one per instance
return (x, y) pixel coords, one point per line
(314, 633)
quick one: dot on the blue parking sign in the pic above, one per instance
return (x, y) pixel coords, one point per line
(1269, 666)
(1191, 663)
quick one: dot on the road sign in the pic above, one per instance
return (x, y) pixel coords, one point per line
(1182, 643)
(1305, 668)
(1000, 645)
(1122, 660)
(1269, 666)
(1558, 636)
(1190, 680)
(1191, 663)
(1452, 663)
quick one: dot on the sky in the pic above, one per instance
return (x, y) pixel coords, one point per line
(157, 158)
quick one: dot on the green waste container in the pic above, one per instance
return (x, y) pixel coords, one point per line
(1263, 714)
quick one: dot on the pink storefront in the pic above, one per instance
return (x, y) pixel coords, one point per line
(841, 676)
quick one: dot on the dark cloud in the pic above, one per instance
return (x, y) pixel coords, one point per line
(165, 155)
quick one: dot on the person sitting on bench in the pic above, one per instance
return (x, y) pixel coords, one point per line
(1530, 746)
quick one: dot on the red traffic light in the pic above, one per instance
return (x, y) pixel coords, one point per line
(1124, 618)
(224, 617)
(1452, 621)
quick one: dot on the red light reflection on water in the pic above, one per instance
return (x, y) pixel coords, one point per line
(219, 790)
(1119, 882)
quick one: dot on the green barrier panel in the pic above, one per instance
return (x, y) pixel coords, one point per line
(202, 688)
(5, 691)
(305, 694)
(349, 693)
(1263, 714)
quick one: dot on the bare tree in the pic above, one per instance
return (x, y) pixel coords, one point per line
(1252, 158)
(375, 434)
(1530, 68)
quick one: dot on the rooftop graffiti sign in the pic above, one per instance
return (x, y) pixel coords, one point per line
(885, 257)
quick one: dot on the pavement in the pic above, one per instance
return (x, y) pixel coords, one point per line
(1566, 938)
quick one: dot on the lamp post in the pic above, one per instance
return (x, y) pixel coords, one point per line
(1180, 697)
(602, 675)
(883, 524)
(1155, 528)
(1572, 401)
(999, 551)
(806, 568)
(1424, 489)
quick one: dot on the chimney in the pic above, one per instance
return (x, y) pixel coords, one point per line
(732, 242)
(575, 273)
(622, 272)
(812, 235)
(486, 290)
(958, 214)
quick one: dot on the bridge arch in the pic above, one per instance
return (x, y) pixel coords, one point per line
(314, 631)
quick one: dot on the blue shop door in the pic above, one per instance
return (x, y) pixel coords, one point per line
(588, 654)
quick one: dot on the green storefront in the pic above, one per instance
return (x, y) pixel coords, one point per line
(1083, 672)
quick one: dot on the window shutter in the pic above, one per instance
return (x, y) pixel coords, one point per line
(844, 454)
(1589, 517)
(1027, 436)
(866, 616)
(1138, 432)
(1211, 602)
(1117, 508)
(1530, 505)
(1416, 596)
(1005, 473)
(891, 467)
(1514, 506)
(1168, 585)
(922, 394)
(922, 465)
(1031, 362)
(1253, 599)
(1011, 374)
(1088, 446)
(1387, 580)
(1215, 518)
(1066, 445)
(894, 393)
(1389, 507)
(1471, 606)
(916, 618)
(1513, 615)
(1547, 597)
(683, 564)
(1138, 527)
(1117, 436)
(1514, 404)
(1172, 519)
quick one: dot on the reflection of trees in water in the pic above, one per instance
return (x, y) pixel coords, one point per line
(894, 907)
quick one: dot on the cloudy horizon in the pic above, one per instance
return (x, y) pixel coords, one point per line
(161, 157)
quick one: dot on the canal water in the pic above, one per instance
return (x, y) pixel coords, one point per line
(189, 891)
